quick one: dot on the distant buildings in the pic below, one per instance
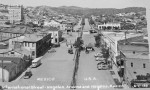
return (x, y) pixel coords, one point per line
(110, 26)
(14, 13)
(52, 23)
(56, 34)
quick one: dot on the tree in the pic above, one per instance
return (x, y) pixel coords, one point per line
(98, 40)
(78, 43)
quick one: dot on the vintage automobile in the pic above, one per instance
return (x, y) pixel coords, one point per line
(89, 48)
(98, 54)
(99, 58)
(70, 51)
(102, 66)
(51, 50)
(27, 75)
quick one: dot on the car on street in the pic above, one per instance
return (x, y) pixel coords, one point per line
(99, 58)
(51, 50)
(98, 54)
(102, 66)
(27, 75)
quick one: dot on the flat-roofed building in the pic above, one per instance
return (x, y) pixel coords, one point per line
(111, 41)
(133, 61)
(36, 43)
(15, 13)
(109, 26)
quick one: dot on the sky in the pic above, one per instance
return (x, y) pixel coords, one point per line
(80, 3)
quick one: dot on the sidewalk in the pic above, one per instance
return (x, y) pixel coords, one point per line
(116, 78)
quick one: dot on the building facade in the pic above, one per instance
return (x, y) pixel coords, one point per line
(109, 26)
(15, 13)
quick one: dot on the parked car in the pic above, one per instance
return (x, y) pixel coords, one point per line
(98, 54)
(99, 58)
(27, 75)
(51, 50)
(102, 66)
(70, 51)
(56, 45)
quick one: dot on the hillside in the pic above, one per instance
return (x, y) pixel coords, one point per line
(43, 10)
(47, 10)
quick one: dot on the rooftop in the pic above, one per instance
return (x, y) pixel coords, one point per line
(17, 30)
(29, 38)
(8, 66)
(142, 56)
(15, 60)
(135, 48)
(116, 36)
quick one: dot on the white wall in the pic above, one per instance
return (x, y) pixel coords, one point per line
(54, 35)
(5, 73)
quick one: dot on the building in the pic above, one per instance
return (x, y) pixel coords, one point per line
(36, 43)
(15, 13)
(109, 26)
(148, 25)
(12, 32)
(132, 62)
(111, 40)
(11, 67)
(69, 27)
(56, 34)
(52, 23)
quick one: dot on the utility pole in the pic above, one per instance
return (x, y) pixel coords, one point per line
(125, 33)
(2, 70)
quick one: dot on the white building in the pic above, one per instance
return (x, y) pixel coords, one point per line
(56, 35)
(52, 23)
(110, 40)
(109, 26)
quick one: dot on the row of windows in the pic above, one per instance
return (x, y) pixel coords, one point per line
(144, 65)
(28, 44)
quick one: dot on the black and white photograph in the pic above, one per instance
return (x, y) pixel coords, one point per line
(74, 44)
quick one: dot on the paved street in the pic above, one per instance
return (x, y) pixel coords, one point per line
(87, 27)
(88, 74)
(77, 26)
(56, 70)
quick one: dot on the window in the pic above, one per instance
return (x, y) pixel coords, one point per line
(25, 44)
(33, 53)
(144, 65)
(32, 44)
(131, 64)
(28, 44)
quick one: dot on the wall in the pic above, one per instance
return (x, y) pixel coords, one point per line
(62, 27)
(55, 35)
(138, 63)
(5, 73)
